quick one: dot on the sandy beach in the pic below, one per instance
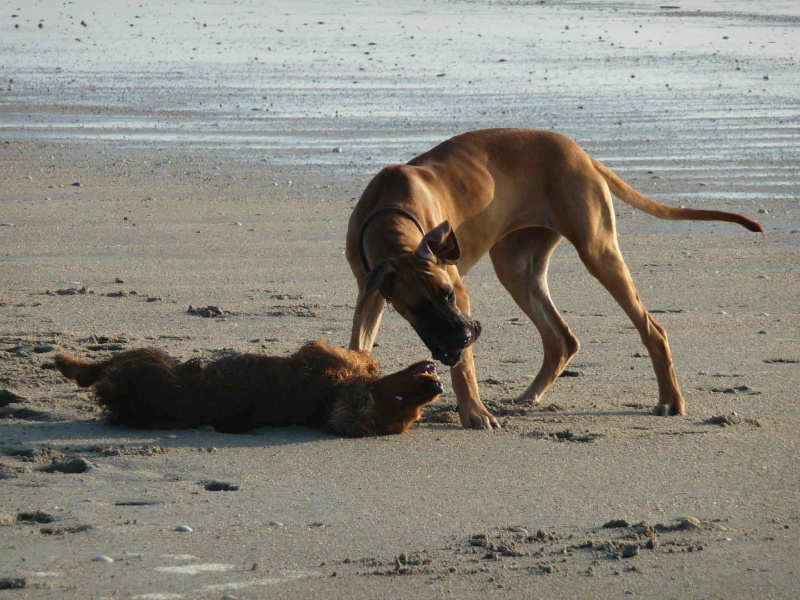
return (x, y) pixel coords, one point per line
(154, 158)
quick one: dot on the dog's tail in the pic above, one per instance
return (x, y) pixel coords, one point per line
(629, 195)
(82, 372)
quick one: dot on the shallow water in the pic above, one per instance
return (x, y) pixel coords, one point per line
(711, 88)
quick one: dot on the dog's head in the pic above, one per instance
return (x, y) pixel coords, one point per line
(419, 286)
(387, 405)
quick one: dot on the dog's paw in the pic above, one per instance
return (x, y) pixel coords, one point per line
(675, 408)
(478, 419)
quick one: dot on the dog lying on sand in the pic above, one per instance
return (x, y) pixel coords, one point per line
(320, 386)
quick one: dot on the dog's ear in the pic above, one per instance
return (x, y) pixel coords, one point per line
(440, 244)
(380, 277)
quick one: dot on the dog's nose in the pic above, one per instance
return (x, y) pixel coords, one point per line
(462, 338)
(468, 335)
(476, 330)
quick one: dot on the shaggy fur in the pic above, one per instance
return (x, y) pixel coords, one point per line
(318, 386)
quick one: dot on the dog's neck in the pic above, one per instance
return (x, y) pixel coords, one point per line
(369, 219)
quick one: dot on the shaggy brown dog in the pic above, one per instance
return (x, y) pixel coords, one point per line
(318, 386)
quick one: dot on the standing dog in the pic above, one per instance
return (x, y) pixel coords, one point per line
(317, 386)
(514, 193)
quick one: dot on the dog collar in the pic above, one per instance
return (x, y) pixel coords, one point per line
(374, 214)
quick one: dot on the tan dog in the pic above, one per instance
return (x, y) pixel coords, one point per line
(514, 193)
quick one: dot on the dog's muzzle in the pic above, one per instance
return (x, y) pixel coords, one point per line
(452, 355)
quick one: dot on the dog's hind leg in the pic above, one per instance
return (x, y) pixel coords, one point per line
(602, 257)
(520, 261)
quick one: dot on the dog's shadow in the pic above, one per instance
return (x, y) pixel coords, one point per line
(97, 435)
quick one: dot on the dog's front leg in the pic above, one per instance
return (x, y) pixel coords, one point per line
(471, 411)
(366, 321)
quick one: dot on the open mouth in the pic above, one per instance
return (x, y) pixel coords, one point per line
(427, 367)
(426, 380)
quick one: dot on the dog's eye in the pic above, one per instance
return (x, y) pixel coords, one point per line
(399, 398)
(450, 296)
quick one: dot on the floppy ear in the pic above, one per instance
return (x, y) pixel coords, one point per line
(378, 277)
(440, 244)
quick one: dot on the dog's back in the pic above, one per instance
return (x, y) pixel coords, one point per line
(243, 391)
(301, 387)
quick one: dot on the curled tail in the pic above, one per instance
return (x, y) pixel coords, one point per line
(83, 372)
(629, 195)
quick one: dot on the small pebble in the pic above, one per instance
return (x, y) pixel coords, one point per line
(102, 558)
(337, 150)
(689, 522)
(275, 524)
(519, 530)
(763, 314)
(184, 529)
(720, 312)
(763, 211)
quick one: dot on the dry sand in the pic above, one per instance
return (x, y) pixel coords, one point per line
(209, 154)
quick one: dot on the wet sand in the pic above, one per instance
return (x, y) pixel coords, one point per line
(161, 157)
